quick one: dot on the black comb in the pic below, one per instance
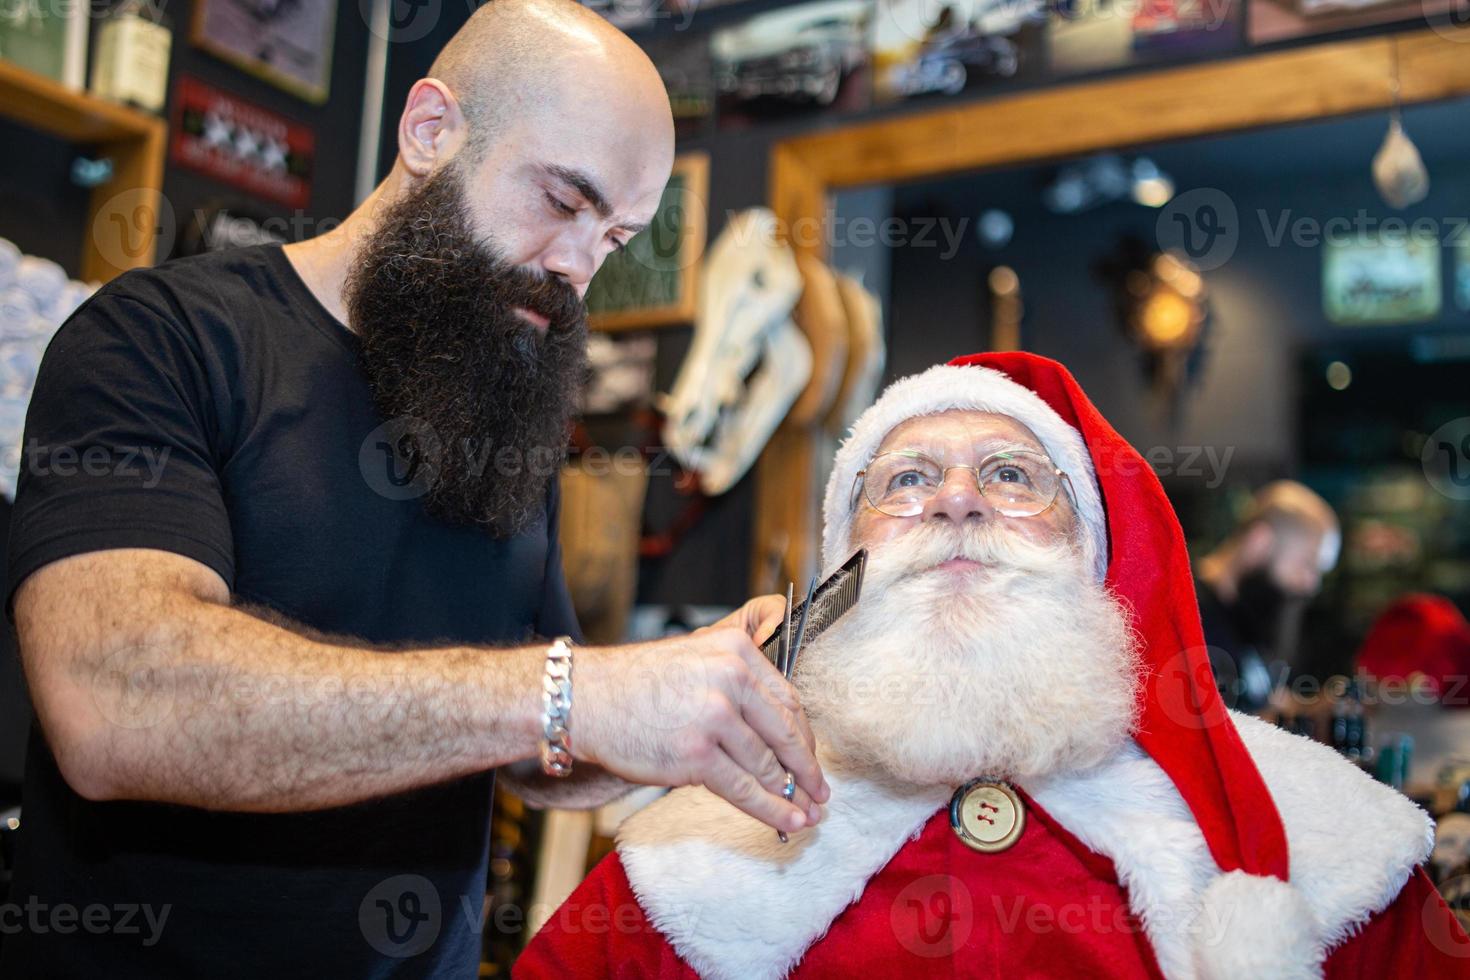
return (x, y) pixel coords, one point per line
(833, 597)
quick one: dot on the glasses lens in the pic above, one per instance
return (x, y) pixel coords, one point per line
(899, 484)
(1019, 483)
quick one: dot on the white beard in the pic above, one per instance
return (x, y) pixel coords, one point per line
(1022, 668)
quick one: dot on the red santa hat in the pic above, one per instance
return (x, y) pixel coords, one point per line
(1133, 542)
(1420, 634)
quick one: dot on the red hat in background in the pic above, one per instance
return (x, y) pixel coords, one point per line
(1421, 634)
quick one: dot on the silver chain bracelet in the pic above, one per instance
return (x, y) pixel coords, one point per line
(556, 709)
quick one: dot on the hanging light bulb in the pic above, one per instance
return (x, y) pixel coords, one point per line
(1398, 169)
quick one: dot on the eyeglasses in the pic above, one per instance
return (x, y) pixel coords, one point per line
(1016, 482)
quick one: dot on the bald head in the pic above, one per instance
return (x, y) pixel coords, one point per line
(1291, 506)
(515, 59)
(555, 129)
(1287, 531)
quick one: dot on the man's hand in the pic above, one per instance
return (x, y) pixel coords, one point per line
(592, 786)
(704, 709)
(758, 619)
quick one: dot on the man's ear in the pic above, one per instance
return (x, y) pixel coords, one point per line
(1258, 544)
(431, 127)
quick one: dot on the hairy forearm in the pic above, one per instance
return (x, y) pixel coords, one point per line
(149, 685)
(189, 701)
(587, 788)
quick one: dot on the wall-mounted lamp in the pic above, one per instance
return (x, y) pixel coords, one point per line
(1162, 303)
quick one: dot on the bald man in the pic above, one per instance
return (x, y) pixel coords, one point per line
(284, 559)
(1253, 588)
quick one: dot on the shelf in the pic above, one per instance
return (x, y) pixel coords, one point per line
(47, 105)
(122, 220)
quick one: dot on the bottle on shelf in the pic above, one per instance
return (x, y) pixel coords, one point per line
(131, 59)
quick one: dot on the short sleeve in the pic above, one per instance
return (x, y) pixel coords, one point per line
(557, 616)
(118, 447)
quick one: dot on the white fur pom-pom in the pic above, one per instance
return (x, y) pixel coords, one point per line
(1255, 926)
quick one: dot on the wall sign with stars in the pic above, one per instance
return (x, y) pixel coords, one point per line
(241, 144)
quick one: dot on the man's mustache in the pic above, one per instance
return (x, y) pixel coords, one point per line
(545, 295)
(931, 544)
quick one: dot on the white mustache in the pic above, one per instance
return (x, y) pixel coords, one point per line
(988, 544)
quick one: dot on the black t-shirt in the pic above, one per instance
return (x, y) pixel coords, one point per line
(1240, 671)
(276, 477)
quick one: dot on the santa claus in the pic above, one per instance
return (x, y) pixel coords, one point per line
(1032, 772)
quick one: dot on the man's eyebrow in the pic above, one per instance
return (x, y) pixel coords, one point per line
(582, 182)
(1002, 444)
(988, 446)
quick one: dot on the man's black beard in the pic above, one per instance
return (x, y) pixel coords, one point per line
(1266, 615)
(479, 399)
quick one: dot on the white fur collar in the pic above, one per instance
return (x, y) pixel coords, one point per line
(736, 904)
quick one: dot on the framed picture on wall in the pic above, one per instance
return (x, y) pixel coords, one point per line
(241, 144)
(633, 15)
(653, 282)
(683, 63)
(1284, 20)
(285, 42)
(920, 48)
(628, 15)
(1381, 279)
(1088, 35)
(793, 60)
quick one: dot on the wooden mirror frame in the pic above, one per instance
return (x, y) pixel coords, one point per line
(1268, 88)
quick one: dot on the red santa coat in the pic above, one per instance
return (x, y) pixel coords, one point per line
(1111, 878)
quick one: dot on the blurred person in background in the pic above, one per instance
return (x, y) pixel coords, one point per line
(1255, 585)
